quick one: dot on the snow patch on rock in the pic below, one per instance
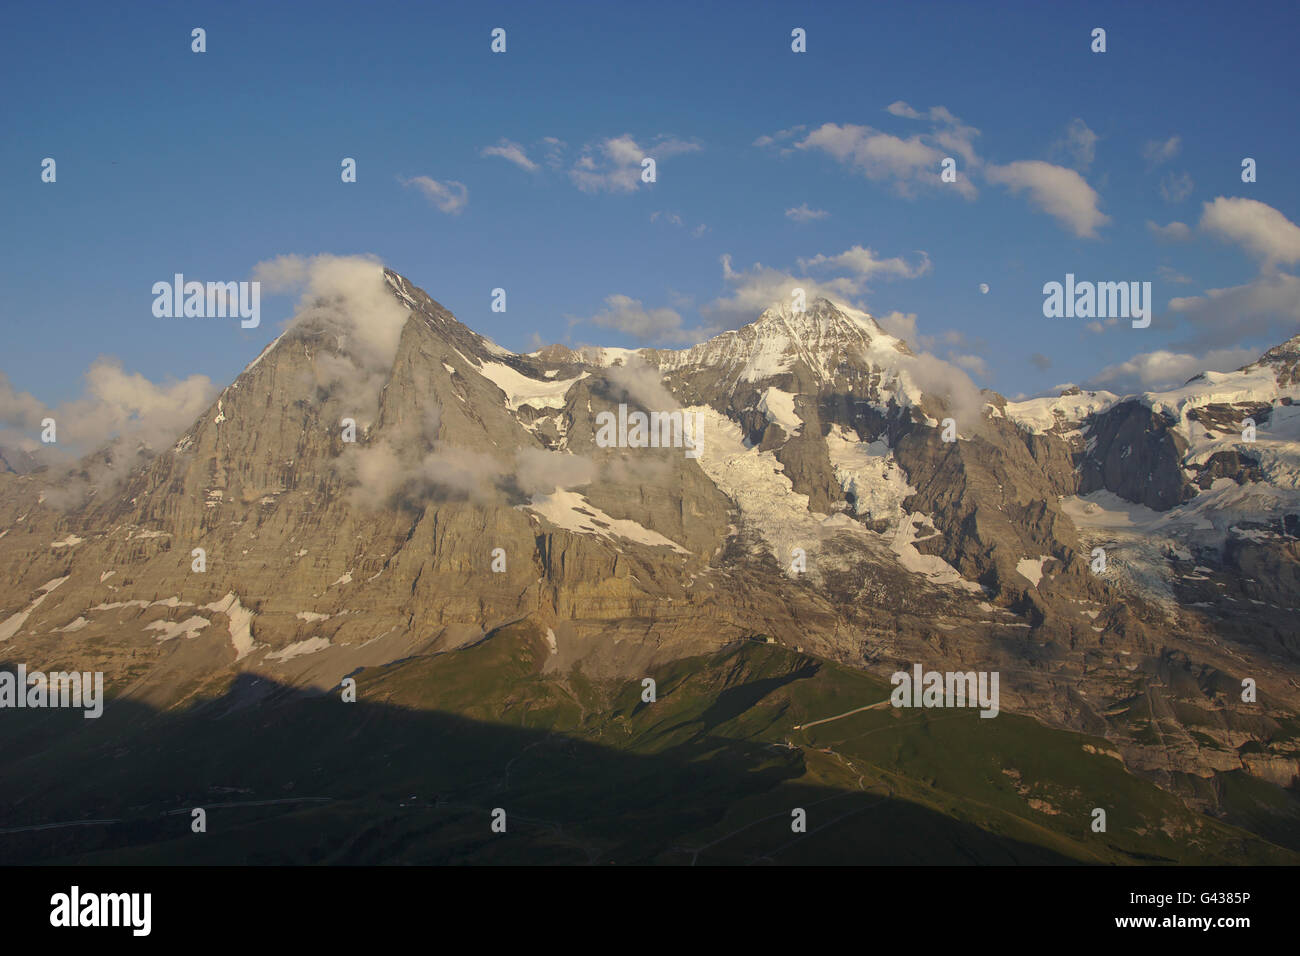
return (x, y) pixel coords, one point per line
(778, 406)
(522, 390)
(1031, 569)
(869, 472)
(298, 648)
(241, 623)
(573, 512)
(931, 566)
(189, 627)
(15, 621)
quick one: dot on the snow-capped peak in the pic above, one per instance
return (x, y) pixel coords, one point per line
(822, 314)
(820, 339)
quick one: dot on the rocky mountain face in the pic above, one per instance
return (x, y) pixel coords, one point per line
(16, 461)
(341, 507)
(1205, 474)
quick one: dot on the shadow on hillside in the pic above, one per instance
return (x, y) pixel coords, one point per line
(297, 779)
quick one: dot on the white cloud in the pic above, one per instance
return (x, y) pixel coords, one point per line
(863, 262)
(948, 382)
(20, 410)
(780, 136)
(1079, 142)
(1170, 274)
(541, 472)
(1165, 369)
(642, 384)
(802, 213)
(906, 163)
(1257, 227)
(914, 162)
(676, 219)
(949, 133)
(389, 470)
(554, 149)
(408, 463)
(614, 164)
(1175, 187)
(648, 325)
(1174, 232)
(450, 196)
(901, 325)
(878, 155)
(972, 363)
(124, 412)
(1268, 306)
(349, 297)
(1061, 193)
(283, 273)
(1157, 151)
(511, 152)
(899, 108)
(120, 403)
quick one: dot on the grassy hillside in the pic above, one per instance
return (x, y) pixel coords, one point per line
(588, 772)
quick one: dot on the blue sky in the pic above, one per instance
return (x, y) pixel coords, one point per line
(207, 164)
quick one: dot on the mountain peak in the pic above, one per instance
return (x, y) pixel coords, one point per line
(821, 318)
(440, 318)
(818, 307)
(1283, 360)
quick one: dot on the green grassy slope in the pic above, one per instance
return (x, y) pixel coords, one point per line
(588, 772)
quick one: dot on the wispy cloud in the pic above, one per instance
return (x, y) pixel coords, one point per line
(511, 152)
(614, 164)
(1175, 187)
(1170, 274)
(1165, 369)
(1158, 151)
(1174, 232)
(675, 219)
(913, 163)
(450, 197)
(864, 263)
(1267, 307)
(1079, 143)
(802, 213)
(907, 164)
(780, 136)
(657, 325)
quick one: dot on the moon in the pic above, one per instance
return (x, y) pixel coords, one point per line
(984, 288)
